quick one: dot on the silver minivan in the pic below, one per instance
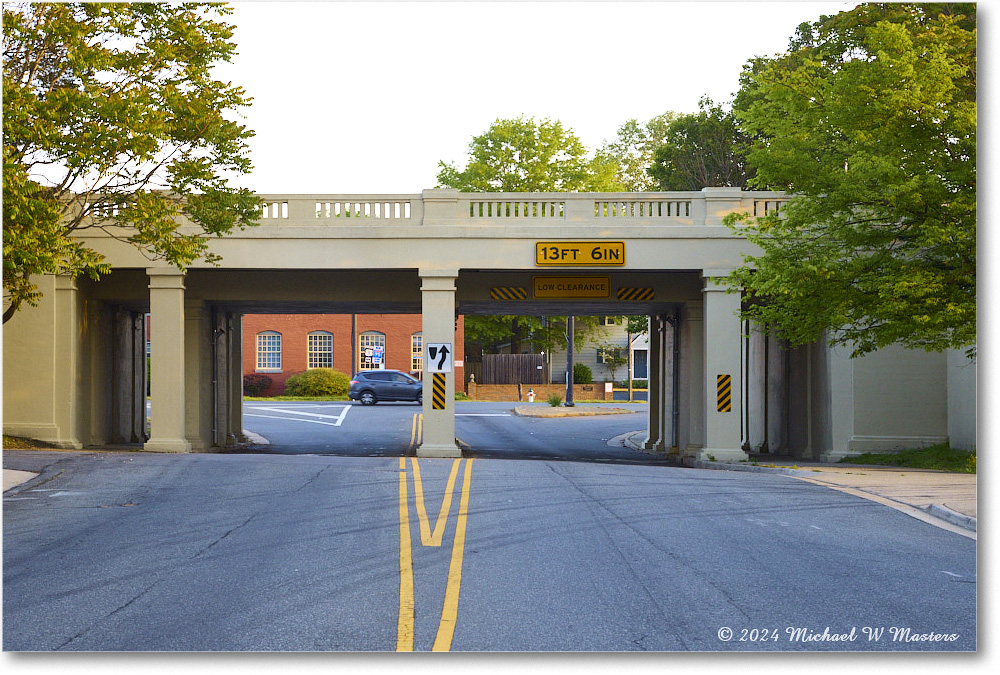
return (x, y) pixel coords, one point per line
(372, 386)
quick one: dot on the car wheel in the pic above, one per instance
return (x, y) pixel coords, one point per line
(420, 398)
(368, 398)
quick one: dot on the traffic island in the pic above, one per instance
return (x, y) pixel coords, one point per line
(575, 411)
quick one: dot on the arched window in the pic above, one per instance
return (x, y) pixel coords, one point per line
(371, 347)
(269, 352)
(417, 353)
(320, 344)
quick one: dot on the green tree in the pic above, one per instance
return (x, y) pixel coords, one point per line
(112, 122)
(522, 155)
(633, 150)
(870, 121)
(613, 357)
(704, 149)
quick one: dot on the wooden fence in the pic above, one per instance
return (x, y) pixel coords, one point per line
(514, 369)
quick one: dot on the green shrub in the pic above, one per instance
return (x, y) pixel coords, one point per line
(582, 374)
(256, 384)
(554, 400)
(318, 382)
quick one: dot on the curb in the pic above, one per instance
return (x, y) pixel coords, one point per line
(570, 412)
(953, 517)
(934, 511)
(47, 474)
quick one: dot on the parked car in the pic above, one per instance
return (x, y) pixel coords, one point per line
(372, 386)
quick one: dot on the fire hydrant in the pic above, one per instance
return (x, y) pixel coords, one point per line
(531, 396)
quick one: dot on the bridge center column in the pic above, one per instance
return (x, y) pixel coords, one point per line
(438, 299)
(166, 382)
(723, 385)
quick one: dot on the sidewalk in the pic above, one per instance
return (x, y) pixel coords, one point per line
(12, 478)
(939, 497)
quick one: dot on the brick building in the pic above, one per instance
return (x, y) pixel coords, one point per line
(281, 345)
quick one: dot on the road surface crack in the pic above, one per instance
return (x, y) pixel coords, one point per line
(592, 500)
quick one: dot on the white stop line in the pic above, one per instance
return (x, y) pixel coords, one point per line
(338, 419)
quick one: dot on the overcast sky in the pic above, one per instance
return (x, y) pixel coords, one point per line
(368, 97)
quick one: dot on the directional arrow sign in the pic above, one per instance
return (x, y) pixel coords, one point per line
(439, 358)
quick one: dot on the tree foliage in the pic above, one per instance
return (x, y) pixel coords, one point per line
(703, 149)
(113, 122)
(869, 120)
(633, 150)
(522, 155)
(546, 334)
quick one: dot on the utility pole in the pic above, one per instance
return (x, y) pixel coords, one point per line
(569, 362)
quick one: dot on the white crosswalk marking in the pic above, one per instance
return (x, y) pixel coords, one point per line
(339, 419)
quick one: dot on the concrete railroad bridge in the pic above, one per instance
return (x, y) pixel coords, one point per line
(74, 368)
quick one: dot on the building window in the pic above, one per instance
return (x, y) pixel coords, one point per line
(417, 353)
(320, 350)
(269, 352)
(607, 321)
(371, 347)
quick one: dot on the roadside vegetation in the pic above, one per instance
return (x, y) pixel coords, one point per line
(18, 443)
(939, 457)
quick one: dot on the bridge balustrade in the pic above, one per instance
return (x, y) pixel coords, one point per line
(702, 208)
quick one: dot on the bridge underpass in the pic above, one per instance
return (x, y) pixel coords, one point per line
(661, 254)
(216, 300)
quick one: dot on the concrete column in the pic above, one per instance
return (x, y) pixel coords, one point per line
(235, 418)
(722, 357)
(777, 397)
(121, 381)
(668, 371)
(438, 296)
(221, 388)
(67, 406)
(691, 413)
(99, 372)
(138, 412)
(198, 396)
(654, 435)
(167, 382)
(756, 388)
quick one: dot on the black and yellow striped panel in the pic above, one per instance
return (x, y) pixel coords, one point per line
(724, 392)
(508, 293)
(629, 293)
(437, 395)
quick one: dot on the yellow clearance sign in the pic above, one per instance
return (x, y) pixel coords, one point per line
(572, 287)
(580, 253)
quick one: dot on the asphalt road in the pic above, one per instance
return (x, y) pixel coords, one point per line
(486, 430)
(317, 551)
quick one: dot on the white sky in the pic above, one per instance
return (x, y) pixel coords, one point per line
(368, 97)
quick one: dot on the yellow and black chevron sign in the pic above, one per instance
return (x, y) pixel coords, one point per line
(627, 293)
(724, 392)
(508, 293)
(438, 395)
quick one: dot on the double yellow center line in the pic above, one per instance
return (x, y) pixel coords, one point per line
(449, 611)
